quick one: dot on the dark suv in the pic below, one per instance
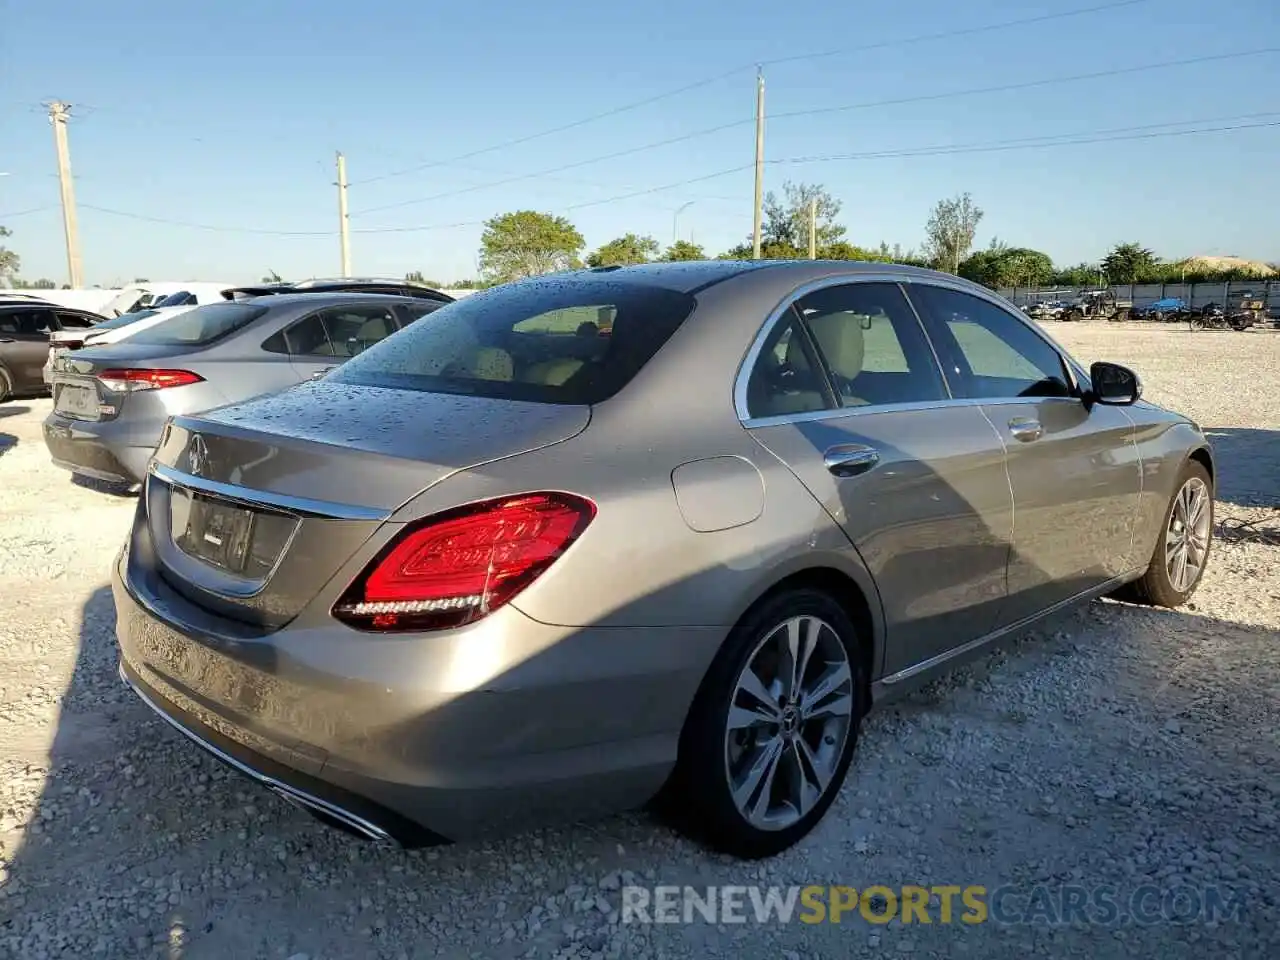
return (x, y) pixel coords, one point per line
(25, 326)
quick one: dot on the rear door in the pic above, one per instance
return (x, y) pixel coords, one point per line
(24, 345)
(1074, 468)
(846, 390)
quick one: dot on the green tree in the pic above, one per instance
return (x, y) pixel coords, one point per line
(950, 231)
(1004, 266)
(1129, 263)
(684, 250)
(624, 250)
(43, 284)
(786, 221)
(527, 244)
(9, 259)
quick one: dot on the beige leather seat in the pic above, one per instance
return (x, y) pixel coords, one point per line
(840, 337)
(552, 373)
(491, 363)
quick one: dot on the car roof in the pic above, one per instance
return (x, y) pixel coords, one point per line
(690, 276)
(274, 300)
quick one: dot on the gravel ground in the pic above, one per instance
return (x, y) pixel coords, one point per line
(1116, 747)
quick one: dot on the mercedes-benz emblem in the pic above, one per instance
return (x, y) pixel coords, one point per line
(197, 455)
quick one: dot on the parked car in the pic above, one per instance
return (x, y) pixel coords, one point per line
(401, 288)
(125, 325)
(25, 327)
(501, 568)
(110, 402)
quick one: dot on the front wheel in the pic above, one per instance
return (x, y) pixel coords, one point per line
(1182, 550)
(772, 730)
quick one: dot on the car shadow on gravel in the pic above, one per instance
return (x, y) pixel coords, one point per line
(1248, 462)
(13, 410)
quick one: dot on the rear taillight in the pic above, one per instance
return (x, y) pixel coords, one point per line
(129, 380)
(459, 566)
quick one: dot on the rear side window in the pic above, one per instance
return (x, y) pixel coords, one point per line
(553, 340)
(201, 326)
(74, 321)
(340, 332)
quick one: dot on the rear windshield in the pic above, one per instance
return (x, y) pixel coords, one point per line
(123, 320)
(555, 340)
(201, 326)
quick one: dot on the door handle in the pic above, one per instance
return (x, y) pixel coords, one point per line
(850, 459)
(1026, 429)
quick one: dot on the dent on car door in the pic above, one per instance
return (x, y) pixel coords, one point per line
(845, 390)
(1074, 467)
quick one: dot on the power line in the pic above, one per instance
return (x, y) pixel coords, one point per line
(1048, 140)
(1025, 84)
(1103, 136)
(567, 166)
(950, 34)
(23, 213)
(130, 215)
(707, 81)
(1143, 132)
(864, 105)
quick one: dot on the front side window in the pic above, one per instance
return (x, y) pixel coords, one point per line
(552, 340)
(990, 353)
(871, 345)
(26, 323)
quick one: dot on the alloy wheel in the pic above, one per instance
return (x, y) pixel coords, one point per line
(1186, 541)
(789, 721)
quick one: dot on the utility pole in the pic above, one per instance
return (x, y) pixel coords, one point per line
(343, 220)
(59, 113)
(813, 229)
(755, 234)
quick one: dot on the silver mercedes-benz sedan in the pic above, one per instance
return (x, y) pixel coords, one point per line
(660, 531)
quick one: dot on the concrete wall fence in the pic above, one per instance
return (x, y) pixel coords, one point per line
(1141, 294)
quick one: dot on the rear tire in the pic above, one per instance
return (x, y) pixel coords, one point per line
(6, 386)
(1186, 533)
(762, 755)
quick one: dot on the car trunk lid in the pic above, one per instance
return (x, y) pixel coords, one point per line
(252, 508)
(78, 391)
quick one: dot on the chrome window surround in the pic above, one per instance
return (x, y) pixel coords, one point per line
(904, 282)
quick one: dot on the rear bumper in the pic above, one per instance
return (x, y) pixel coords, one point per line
(424, 737)
(109, 450)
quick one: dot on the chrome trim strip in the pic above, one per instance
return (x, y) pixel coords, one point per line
(370, 830)
(302, 506)
(872, 409)
(887, 276)
(916, 669)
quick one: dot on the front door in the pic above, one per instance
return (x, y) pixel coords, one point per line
(1074, 468)
(24, 344)
(847, 393)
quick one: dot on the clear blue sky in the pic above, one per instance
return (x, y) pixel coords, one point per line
(228, 114)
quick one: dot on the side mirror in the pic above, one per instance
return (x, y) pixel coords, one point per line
(1113, 384)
